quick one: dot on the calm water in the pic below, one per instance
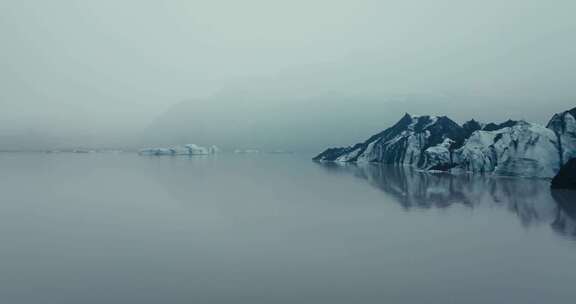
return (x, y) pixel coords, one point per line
(119, 228)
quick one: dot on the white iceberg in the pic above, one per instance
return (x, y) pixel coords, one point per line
(189, 149)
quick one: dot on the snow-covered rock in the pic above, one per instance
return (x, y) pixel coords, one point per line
(439, 157)
(404, 143)
(521, 149)
(512, 148)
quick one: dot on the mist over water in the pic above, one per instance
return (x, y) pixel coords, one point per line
(102, 74)
(119, 228)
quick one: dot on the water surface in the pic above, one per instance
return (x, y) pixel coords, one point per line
(119, 228)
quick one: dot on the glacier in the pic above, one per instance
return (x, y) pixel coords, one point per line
(512, 148)
(522, 149)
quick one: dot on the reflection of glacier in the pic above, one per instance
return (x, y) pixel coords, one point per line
(529, 199)
(565, 221)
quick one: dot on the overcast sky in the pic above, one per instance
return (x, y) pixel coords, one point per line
(108, 69)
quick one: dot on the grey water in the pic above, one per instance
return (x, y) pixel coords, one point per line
(120, 228)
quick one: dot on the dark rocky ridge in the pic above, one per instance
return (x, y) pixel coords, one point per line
(391, 144)
(493, 127)
(470, 127)
(564, 126)
(515, 148)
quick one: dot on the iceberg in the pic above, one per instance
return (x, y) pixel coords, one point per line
(188, 149)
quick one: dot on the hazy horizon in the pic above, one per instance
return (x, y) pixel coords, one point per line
(314, 73)
(334, 209)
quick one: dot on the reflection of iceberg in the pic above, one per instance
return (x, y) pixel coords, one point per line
(565, 222)
(246, 151)
(156, 151)
(529, 199)
(280, 151)
(189, 149)
(213, 150)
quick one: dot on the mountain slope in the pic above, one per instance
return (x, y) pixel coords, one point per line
(404, 143)
(513, 148)
(564, 126)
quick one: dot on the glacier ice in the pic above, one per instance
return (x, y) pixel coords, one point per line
(512, 148)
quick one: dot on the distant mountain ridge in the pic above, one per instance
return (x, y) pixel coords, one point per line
(512, 148)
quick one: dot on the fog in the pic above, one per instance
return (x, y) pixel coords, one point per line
(292, 74)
